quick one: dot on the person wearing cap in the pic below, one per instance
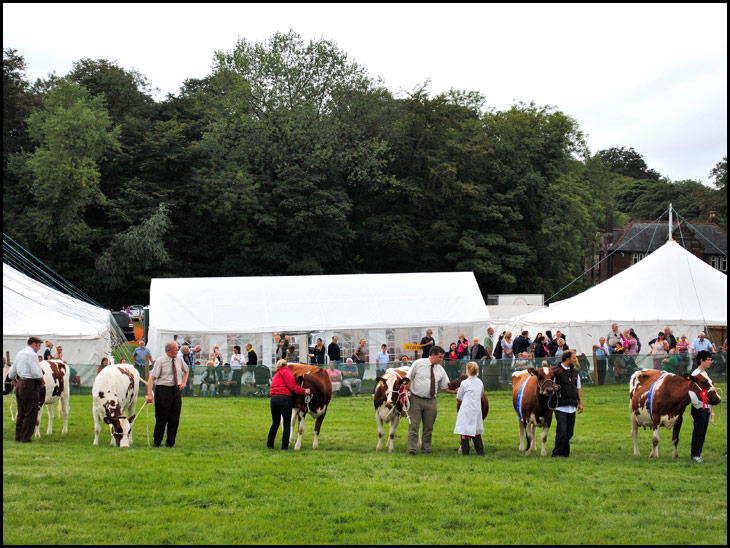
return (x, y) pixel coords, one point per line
(28, 376)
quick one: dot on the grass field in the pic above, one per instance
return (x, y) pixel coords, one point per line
(220, 485)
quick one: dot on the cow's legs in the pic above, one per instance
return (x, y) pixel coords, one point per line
(317, 426)
(301, 415)
(97, 426)
(675, 436)
(393, 428)
(65, 407)
(522, 435)
(51, 412)
(543, 438)
(655, 444)
(635, 433)
(381, 431)
(530, 429)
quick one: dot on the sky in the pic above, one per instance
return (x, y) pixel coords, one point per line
(652, 77)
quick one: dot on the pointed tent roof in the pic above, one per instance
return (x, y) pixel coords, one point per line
(670, 286)
(33, 308)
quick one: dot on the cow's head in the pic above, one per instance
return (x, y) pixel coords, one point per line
(391, 386)
(545, 380)
(702, 385)
(456, 383)
(7, 383)
(119, 425)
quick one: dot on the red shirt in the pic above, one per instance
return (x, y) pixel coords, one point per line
(283, 384)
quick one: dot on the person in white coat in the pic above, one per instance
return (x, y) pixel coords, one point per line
(469, 424)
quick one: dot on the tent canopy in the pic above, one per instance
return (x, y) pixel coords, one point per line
(670, 287)
(31, 308)
(312, 303)
(292, 303)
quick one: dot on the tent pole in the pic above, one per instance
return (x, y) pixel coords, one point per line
(670, 223)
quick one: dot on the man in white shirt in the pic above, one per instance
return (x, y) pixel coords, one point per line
(424, 379)
(27, 372)
(170, 374)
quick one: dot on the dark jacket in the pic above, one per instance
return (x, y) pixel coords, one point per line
(568, 382)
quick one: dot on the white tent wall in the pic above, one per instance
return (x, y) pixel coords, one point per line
(382, 308)
(669, 288)
(31, 308)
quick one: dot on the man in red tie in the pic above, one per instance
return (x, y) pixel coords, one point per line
(170, 374)
(424, 379)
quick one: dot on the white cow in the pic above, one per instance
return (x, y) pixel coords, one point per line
(114, 394)
(390, 403)
(57, 389)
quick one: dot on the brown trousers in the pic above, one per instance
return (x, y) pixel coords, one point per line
(27, 393)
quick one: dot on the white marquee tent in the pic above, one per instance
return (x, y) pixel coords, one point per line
(671, 287)
(31, 308)
(217, 310)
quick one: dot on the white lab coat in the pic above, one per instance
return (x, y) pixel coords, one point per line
(469, 420)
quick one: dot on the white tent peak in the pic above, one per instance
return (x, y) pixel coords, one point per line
(670, 287)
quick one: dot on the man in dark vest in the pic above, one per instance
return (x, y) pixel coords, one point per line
(571, 400)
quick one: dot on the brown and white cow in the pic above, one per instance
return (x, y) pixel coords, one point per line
(534, 397)
(114, 399)
(57, 389)
(391, 403)
(658, 398)
(320, 393)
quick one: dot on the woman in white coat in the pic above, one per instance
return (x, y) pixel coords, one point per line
(469, 423)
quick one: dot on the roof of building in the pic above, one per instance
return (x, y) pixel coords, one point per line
(647, 236)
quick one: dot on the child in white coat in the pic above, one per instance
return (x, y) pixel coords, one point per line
(469, 423)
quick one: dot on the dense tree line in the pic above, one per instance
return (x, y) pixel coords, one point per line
(289, 159)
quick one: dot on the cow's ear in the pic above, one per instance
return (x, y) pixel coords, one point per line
(131, 419)
(404, 381)
(107, 420)
(687, 377)
(379, 381)
(532, 371)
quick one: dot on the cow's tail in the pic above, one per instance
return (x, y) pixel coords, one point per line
(143, 381)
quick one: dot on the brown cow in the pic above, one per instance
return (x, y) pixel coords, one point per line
(532, 392)
(390, 400)
(320, 387)
(659, 399)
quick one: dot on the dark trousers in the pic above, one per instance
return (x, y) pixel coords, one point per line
(280, 409)
(27, 393)
(168, 405)
(701, 418)
(601, 370)
(563, 433)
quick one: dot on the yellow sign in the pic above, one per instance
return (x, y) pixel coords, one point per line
(408, 347)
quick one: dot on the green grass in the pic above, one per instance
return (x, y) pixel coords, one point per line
(220, 485)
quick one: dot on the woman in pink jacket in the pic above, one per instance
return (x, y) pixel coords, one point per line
(283, 387)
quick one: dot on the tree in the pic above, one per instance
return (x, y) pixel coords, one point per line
(627, 162)
(134, 253)
(719, 174)
(74, 132)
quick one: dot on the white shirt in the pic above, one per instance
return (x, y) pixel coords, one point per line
(26, 365)
(162, 371)
(420, 375)
(236, 361)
